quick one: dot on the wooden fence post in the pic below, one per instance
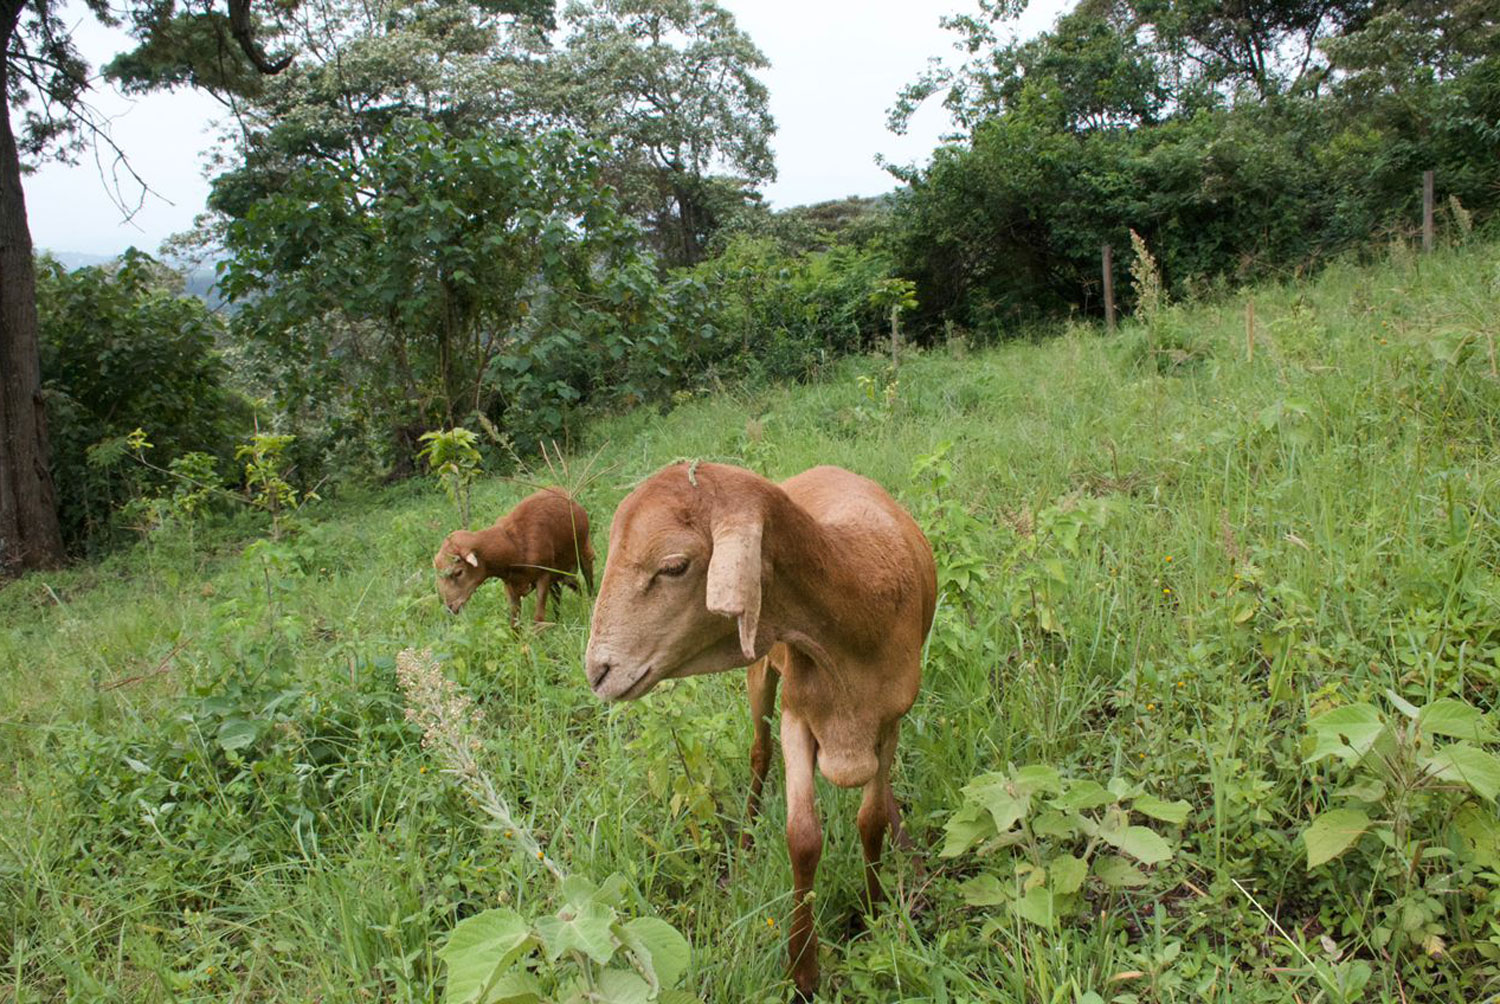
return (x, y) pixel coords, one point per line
(1109, 289)
(1427, 229)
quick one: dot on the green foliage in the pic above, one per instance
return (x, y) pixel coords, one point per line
(266, 471)
(454, 460)
(1040, 819)
(121, 349)
(210, 784)
(587, 951)
(773, 314)
(480, 273)
(670, 85)
(1230, 160)
(1426, 774)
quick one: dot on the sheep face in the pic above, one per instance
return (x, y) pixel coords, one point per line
(680, 594)
(459, 571)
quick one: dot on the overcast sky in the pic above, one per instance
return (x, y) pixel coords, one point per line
(836, 66)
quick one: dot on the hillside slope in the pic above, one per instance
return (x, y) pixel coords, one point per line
(1160, 560)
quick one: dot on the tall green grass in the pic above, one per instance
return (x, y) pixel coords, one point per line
(208, 789)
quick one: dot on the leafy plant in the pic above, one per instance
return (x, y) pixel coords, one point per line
(587, 951)
(1418, 781)
(1037, 560)
(453, 458)
(1052, 834)
(590, 950)
(266, 468)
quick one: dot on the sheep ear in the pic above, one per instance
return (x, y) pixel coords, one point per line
(734, 576)
(471, 559)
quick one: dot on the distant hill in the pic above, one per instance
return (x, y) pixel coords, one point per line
(197, 282)
(78, 259)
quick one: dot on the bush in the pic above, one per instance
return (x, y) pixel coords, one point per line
(1009, 225)
(121, 349)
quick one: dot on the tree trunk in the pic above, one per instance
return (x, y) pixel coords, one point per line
(29, 533)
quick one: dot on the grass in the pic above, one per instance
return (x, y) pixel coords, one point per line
(1159, 560)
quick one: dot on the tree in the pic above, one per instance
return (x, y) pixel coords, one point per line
(671, 86)
(457, 63)
(1271, 45)
(444, 276)
(44, 82)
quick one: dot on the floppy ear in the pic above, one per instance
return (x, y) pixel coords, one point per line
(734, 575)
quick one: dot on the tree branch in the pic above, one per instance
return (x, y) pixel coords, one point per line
(243, 32)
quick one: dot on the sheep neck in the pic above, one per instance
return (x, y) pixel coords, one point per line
(816, 598)
(496, 548)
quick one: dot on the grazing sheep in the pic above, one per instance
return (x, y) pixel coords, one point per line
(824, 579)
(542, 543)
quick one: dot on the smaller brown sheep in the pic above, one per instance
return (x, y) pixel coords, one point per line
(541, 544)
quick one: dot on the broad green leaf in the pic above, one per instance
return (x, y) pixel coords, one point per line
(621, 986)
(479, 951)
(1140, 842)
(1066, 874)
(658, 946)
(587, 930)
(1478, 833)
(1168, 812)
(1369, 790)
(1119, 873)
(1036, 906)
(612, 891)
(966, 827)
(1448, 717)
(578, 890)
(1468, 765)
(517, 987)
(1053, 824)
(1346, 732)
(1083, 795)
(1402, 704)
(237, 733)
(1331, 834)
(1037, 777)
(983, 890)
(1006, 809)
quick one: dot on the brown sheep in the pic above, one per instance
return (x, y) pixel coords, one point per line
(540, 544)
(823, 578)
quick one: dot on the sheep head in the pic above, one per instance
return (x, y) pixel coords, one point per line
(681, 592)
(459, 570)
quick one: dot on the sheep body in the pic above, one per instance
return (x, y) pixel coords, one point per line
(822, 582)
(541, 544)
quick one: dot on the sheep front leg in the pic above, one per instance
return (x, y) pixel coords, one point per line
(804, 839)
(877, 812)
(760, 680)
(514, 595)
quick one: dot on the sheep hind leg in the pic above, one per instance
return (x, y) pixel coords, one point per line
(586, 565)
(760, 681)
(543, 590)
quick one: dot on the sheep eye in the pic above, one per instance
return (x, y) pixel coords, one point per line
(673, 566)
